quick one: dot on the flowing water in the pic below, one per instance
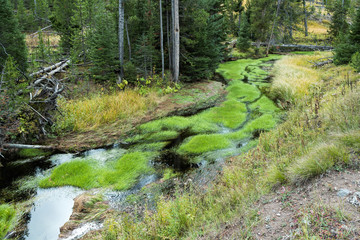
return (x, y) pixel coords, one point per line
(175, 143)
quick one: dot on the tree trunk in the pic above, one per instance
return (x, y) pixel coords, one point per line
(128, 39)
(305, 19)
(272, 30)
(162, 41)
(168, 35)
(176, 63)
(121, 40)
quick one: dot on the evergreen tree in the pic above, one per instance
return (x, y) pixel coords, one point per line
(261, 17)
(243, 42)
(61, 21)
(349, 44)
(203, 31)
(338, 25)
(11, 40)
(355, 29)
(103, 45)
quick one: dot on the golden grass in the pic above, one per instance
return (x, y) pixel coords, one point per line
(90, 113)
(317, 28)
(294, 75)
(33, 40)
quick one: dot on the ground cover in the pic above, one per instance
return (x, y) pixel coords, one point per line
(322, 126)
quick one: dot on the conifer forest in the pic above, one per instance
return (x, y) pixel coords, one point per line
(179, 119)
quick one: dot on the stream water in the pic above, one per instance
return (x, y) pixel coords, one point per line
(175, 143)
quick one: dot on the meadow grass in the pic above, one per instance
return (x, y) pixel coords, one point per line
(90, 113)
(294, 77)
(319, 160)
(7, 219)
(204, 143)
(87, 173)
(304, 143)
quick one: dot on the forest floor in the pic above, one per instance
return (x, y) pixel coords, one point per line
(187, 101)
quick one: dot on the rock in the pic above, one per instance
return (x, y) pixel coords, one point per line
(343, 192)
(355, 199)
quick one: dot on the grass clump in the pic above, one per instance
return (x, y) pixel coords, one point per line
(119, 175)
(90, 113)
(154, 137)
(239, 90)
(205, 143)
(28, 153)
(231, 114)
(166, 124)
(294, 76)
(7, 219)
(264, 105)
(316, 162)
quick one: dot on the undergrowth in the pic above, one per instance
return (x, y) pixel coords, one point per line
(319, 134)
(92, 112)
(7, 219)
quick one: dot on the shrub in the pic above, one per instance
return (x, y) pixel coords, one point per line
(355, 61)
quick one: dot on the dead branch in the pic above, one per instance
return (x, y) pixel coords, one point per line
(24, 146)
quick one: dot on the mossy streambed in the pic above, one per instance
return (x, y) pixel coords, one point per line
(170, 146)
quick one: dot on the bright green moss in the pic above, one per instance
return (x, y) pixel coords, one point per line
(231, 114)
(28, 153)
(201, 125)
(125, 171)
(205, 143)
(238, 135)
(234, 69)
(7, 219)
(240, 90)
(170, 124)
(264, 105)
(87, 173)
(265, 122)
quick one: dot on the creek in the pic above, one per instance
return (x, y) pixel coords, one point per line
(158, 150)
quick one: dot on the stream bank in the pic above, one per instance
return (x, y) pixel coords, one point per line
(164, 153)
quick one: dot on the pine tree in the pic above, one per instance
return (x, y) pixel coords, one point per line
(11, 40)
(61, 21)
(338, 25)
(243, 42)
(103, 45)
(355, 29)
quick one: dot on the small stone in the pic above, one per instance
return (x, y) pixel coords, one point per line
(343, 192)
(278, 214)
(355, 199)
(268, 226)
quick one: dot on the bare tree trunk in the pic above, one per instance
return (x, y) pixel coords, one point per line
(168, 36)
(121, 40)
(272, 30)
(305, 19)
(162, 41)
(176, 63)
(128, 39)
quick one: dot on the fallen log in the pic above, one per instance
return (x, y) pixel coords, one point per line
(293, 47)
(47, 75)
(25, 146)
(44, 70)
(320, 64)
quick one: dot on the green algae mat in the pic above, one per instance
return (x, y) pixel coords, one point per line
(213, 134)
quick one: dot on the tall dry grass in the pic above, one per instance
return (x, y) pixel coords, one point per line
(294, 76)
(90, 113)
